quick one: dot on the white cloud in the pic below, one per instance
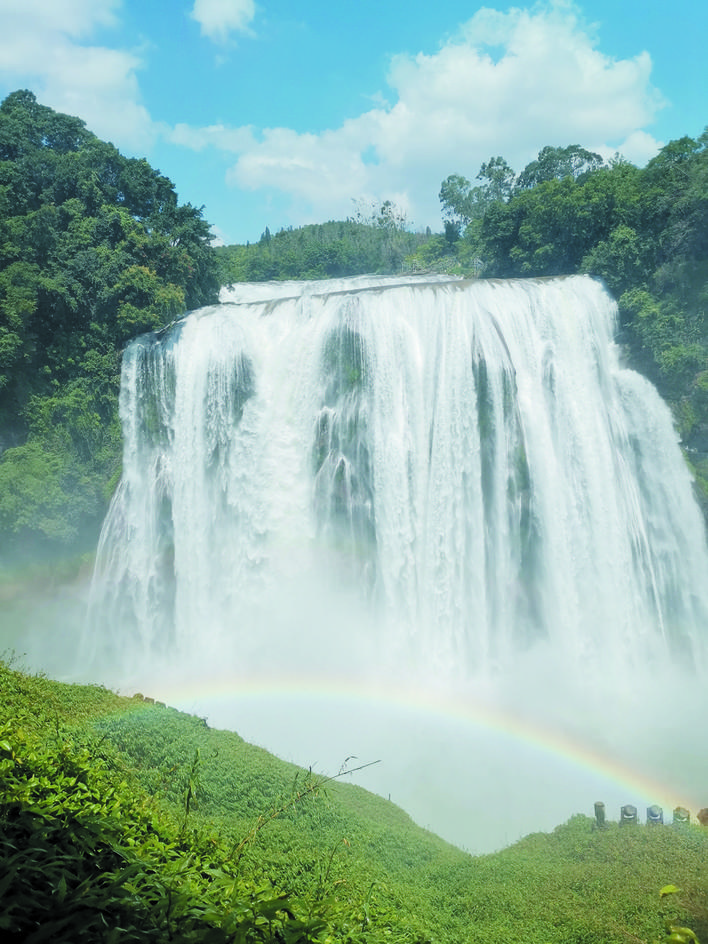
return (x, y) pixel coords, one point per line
(218, 19)
(73, 17)
(218, 236)
(639, 147)
(507, 83)
(43, 45)
(219, 136)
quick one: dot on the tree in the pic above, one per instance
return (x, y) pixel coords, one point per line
(376, 239)
(94, 248)
(500, 178)
(457, 201)
(555, 163)
(463, 204)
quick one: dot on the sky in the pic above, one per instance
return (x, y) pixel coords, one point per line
(279, 113)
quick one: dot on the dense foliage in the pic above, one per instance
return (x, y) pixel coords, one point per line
(94, 249)
(644, 232)
(85, 857)
(375, 240)
(123, 820)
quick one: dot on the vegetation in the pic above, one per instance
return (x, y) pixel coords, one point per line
(124, 820)
(375, 239)
(642, 231)
(94, 249)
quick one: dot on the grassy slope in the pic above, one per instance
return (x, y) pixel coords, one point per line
(364, 855)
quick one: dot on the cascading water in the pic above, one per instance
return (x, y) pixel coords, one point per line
(426, 480)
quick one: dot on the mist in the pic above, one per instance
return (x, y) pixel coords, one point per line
(433, 528)
(487, 763)
(481, 763)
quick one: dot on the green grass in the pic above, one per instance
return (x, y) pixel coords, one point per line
(125, 820)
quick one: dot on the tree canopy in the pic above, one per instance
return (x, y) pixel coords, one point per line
(376, 238)
(644, 232)
(94, 249)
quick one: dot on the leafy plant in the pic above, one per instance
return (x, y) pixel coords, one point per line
(99, 829)
(676, 934)
(85, 860)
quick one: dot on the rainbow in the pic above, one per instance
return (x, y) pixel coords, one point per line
(415, 704)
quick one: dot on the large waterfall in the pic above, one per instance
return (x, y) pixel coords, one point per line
(408, 479)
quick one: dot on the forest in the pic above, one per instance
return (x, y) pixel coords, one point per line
(95, 248)
(122, 819)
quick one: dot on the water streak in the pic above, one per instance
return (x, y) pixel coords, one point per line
(425, 476)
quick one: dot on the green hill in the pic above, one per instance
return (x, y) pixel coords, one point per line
(125, 820)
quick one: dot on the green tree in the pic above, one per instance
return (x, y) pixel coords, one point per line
(556, 163)
(463, 204)
(644, 232)
(377, 239)
(94, 248)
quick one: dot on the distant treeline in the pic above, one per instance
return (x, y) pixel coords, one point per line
(377, 240)
(95, 248)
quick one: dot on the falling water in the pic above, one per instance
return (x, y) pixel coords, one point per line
(426, 480)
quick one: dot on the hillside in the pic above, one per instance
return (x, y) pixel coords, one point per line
(95, 248)
(378, 241)
(118, 812)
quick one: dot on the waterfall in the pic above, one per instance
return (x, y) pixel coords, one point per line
(431, 521)
(448, 472)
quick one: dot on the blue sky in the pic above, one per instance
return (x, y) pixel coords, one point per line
(278, 113)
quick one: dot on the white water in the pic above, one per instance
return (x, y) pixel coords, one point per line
(371, 486)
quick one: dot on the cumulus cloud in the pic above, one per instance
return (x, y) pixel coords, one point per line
(44, 44)
(73, 17)
(508, 83)
(638, 147)
(218, 19)
(518, 80)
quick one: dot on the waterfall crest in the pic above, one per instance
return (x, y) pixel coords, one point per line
(465, 466)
